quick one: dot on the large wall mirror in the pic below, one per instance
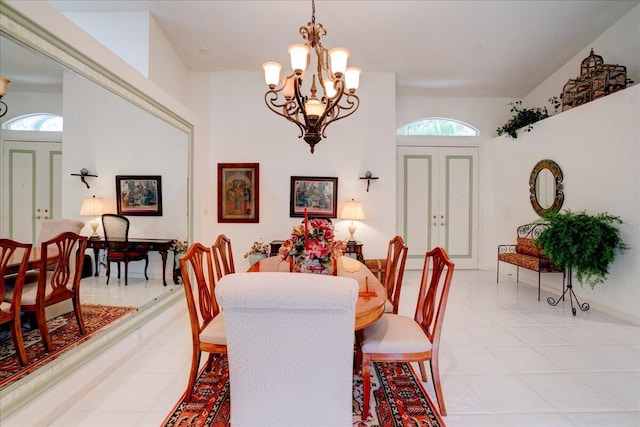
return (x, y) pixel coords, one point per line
(545, 187)
(112, 128)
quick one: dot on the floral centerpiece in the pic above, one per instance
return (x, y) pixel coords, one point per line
(312, 247)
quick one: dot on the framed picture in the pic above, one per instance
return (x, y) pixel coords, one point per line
(318, 194)
(139, 195)
(238, 192)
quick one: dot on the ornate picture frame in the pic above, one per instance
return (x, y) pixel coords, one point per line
(239, 192)
(139, 195)
(318, 194)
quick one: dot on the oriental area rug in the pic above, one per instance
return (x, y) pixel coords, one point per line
(65, 335)
(399, 399)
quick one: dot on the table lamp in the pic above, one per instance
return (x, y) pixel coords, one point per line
(92, 206)
(352, 210)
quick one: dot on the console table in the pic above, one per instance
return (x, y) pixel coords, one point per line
(161, 245)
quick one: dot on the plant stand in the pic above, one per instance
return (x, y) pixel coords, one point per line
(572, 296)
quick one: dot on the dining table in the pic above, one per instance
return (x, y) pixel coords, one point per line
(13, 266)
(371, 295)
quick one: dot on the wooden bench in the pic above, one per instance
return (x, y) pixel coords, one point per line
(526, 254)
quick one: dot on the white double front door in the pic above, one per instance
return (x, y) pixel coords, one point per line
(438, 203)
(32, 189)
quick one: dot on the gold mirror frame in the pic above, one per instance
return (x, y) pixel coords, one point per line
(558, 178)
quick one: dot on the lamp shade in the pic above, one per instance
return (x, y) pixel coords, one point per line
(92, 206)
(352, 210)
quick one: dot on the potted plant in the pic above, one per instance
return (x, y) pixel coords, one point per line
(259, 250)
(587, 244)
(523, 118)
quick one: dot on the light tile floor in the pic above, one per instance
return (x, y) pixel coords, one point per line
(506, 360)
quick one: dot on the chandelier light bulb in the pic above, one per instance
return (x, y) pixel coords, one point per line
(299, 57)
(352, 78)
(330, 89)
(272, 73)
(338, 59)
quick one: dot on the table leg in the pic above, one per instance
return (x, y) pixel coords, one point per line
(96, 256)
(163, 254)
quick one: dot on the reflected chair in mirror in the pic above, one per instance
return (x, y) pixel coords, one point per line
(207, 322)
(11, 250)
(116, 234)
(398, 338)
(290, 348)
(51, 228)
(61, 284)
(394, 273)
(223, 256)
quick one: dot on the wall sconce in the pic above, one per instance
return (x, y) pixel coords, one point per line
(3, 90)
(368, 176)
(84, 173)
(352, 210)
(92, 206)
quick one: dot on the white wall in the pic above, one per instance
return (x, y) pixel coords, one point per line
(596, 147)
(620, 44)
(243, 130)
(130, 40)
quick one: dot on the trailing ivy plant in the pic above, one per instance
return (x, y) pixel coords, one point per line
(523, 118)
(588, 244)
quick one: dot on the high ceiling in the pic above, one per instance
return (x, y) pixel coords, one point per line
(442, 48)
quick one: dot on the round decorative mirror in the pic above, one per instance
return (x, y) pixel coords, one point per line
(545, 187)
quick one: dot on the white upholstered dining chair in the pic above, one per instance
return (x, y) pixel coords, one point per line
(290, 346)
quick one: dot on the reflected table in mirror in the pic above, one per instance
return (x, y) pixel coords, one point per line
(137, 244)
(371, 297)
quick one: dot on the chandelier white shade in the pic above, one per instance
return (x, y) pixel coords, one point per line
(313, 112)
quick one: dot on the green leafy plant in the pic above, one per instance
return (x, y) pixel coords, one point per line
(523, 118)
(588, 244)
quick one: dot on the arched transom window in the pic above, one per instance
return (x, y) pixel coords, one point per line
(36, 122)
(438, 126)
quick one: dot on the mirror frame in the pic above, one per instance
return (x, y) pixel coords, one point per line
(558, 178)
(27, 32)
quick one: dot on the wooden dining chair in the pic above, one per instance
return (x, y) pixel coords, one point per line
(207, 322)
(10, 310)
(398, 338)
(116, 233)
(290, 348)
(61, 284)
(223, 256)
(394, 273)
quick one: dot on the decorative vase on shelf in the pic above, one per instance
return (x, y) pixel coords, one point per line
(253, 258)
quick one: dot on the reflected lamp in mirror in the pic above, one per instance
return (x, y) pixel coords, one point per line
(3, 90)
(92, 206)
(352, 210)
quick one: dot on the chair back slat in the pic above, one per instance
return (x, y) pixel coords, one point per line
(223, 256)
(64, 280)
(9, 248)
(394, 270)
(196, 267)
(434, 291)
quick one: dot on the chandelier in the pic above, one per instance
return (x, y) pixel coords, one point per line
(312, 114)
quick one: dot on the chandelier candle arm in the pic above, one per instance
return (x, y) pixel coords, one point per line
(312, 113)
